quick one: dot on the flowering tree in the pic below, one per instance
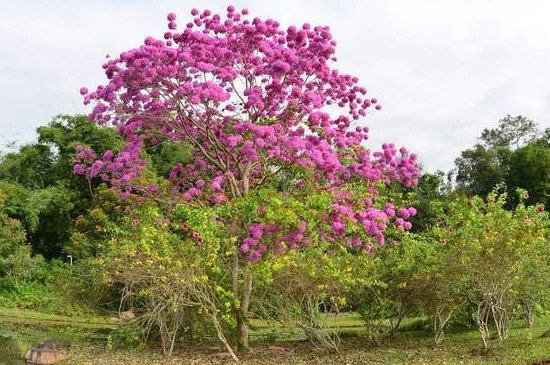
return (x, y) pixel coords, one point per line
(254, 104)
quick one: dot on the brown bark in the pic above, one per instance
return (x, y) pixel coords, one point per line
(242, 292)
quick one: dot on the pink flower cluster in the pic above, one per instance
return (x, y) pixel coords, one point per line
(120, 169)
(254, 245)
(249, 98)
(374, 221)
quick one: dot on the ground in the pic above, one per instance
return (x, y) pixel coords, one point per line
(88, 337)
(460, 349)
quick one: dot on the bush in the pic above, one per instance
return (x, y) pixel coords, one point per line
(128, 335)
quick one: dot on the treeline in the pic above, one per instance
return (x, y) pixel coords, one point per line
(477, 254)
(516, 153)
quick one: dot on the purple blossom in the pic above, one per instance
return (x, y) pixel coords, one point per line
(182, 90)
(79, 169)
(280, 67)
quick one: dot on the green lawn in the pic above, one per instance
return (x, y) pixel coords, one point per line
(26, 316)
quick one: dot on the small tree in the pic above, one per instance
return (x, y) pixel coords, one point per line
(170, 279)
(503, 255)
(267, 121)
(441, 278)
(305, 288)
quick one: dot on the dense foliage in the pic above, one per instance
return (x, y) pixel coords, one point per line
(41, 190)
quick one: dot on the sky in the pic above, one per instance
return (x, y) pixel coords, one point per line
(443, 69)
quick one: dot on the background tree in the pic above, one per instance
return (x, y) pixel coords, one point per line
(512, 133)
(487, 164)
(429, 197)
(529, 168)
(41, 188)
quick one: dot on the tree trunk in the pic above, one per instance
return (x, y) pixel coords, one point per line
(441, 316)
(530, 312)
(242, 332)
(242, 293)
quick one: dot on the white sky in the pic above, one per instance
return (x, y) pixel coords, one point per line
(443, 69)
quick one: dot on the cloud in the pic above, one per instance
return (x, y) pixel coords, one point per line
(443, 70)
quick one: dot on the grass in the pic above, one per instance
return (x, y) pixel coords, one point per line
(26, 316)
(348, 323)
(409, 346)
